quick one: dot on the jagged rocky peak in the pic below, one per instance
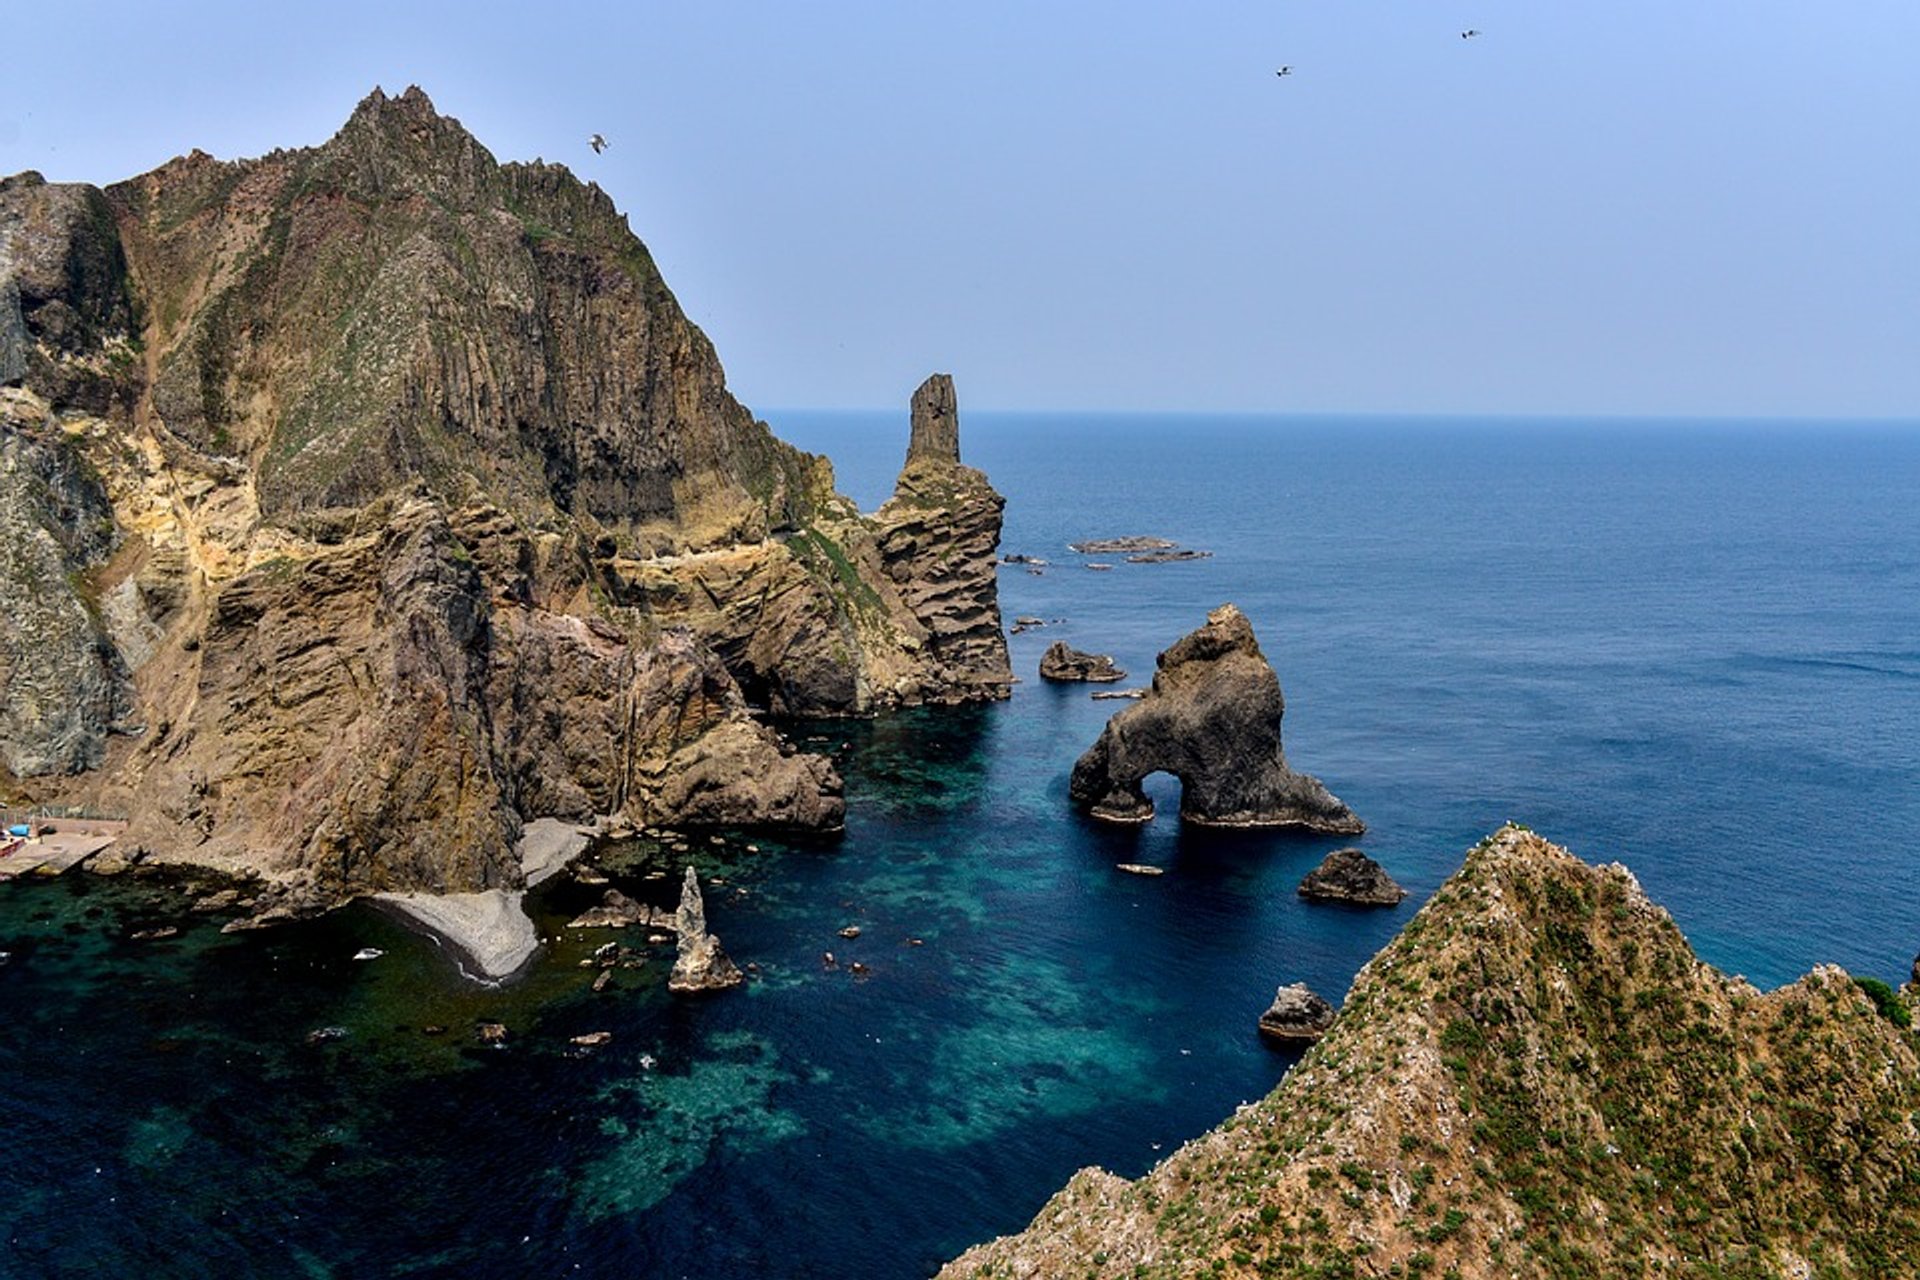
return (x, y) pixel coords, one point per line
(936, 422)
(1537, 1072)
(395, 309)
(349, 489)
(1212, 720)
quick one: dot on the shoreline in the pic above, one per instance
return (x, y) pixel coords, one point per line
(491, 937)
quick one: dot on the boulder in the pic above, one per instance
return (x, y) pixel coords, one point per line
(1348, 875)
(1063, 663)
(1296, 1016)
(701, 965)
(617, 911)
(1212, 720)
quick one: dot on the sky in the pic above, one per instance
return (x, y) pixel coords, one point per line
(1636, 207)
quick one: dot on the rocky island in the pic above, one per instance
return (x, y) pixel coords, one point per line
(364, 503)
(1062, 662)
(1212, 720)
(1537, 1078)
(1350, 876)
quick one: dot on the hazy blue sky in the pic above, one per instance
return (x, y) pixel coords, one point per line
(1637, 206)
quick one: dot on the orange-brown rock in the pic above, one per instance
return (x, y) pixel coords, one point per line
(371, 499)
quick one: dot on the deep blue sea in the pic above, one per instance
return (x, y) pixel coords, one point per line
(1690, 647)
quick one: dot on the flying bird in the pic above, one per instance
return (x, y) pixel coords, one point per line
(598, 143)
(1468, 34)
(1284, 71)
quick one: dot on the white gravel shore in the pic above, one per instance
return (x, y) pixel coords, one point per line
(490, 932)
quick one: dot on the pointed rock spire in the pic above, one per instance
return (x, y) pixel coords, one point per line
(701, 965)
(936, 422)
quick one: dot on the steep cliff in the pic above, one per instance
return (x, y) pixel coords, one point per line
(1537, 1079)
(366, 500)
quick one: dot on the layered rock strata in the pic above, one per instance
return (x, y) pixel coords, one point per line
(1537, 1078)
(360, 503)
(1212, 720)
(1348, 875)
(1066, 664)
(937, 537)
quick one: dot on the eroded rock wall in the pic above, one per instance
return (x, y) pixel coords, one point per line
(366, 500)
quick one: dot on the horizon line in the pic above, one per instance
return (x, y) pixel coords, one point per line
(1503, 415)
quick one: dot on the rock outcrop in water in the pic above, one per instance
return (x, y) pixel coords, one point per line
(1212, 720)
(1296, 1016)
(1065, 663)
(361, 503)
(700, 964)
(1348, 875)
(1536, 1078)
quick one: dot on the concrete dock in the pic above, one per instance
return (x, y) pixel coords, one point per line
(69, 842)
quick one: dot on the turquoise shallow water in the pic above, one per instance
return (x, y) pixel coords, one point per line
(1688, 647)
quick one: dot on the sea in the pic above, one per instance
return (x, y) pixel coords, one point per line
(1690, 647)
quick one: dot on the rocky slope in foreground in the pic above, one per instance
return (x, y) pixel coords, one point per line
(1537, 1078)
(362, 502)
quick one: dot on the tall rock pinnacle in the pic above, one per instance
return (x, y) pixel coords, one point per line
(937, 538)
(700, 965)
(936, 422)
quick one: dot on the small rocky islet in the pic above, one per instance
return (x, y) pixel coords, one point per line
(1350, 876)
(1064, 664)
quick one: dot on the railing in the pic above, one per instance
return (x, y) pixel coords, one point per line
(52, 812)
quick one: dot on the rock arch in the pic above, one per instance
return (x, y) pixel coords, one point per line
(1212, 720)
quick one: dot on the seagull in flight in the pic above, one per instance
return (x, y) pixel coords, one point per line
(1468, 34)
(1284, 71)
(598, 143)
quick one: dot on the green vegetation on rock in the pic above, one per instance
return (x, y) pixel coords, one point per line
(1538, 1079)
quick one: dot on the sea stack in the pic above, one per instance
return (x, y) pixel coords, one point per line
(936, 423)
(701, 965)
(1212, 720)
(1348, 875)
(1066, 664)
(938, 537)
(1296, 1016)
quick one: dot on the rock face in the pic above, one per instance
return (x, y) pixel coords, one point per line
(361, 503)
(1348, 875)
(1060, 662)
(64, 688)
(700, 965)
(1296, 1016)
(937, 537)
(1537, 1073)
(1212, 720)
